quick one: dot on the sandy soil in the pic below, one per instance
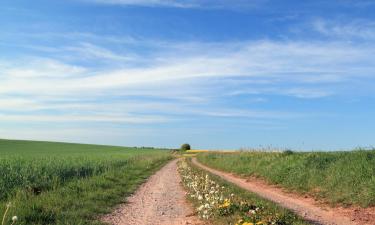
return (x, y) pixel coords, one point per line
(308, 208)
(161, 200)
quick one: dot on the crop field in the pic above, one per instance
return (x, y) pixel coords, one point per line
(60, 183)
(346, 178)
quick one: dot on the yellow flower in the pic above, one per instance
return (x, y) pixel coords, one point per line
(225, 204)
(261, 223)
(247, 223)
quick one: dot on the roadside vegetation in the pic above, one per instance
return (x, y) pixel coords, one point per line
(60, 183)
(345, 178)
(219, 202)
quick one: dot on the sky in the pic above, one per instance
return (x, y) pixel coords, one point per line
(218, 74)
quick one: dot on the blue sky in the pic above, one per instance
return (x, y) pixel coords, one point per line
(219, 74)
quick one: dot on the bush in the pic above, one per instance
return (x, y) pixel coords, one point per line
(185, 147)
(288, 152)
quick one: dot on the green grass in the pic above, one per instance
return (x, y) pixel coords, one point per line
(269, 209)
(61, 183)
(346, 178)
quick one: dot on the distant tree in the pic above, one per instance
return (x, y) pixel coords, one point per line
(185, 147)
(288, 152)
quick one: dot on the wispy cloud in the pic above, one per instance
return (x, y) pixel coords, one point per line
(355, 28)
(303, 62)
(90, 51)
(111, 118)
(172, 82)
(208, 4)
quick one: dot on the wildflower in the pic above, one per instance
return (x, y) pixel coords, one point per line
(14, 219)
(247, 223)
(225, 204)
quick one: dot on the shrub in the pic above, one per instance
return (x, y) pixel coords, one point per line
(185, 147)
(288, 152)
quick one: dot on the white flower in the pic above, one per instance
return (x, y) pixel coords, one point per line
(14, 218)
(200, 197)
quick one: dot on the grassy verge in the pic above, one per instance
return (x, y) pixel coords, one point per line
(57, 183)
(337, 177)
(220, 202)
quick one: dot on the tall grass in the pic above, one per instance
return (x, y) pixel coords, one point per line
(59, 183)
(337, 177)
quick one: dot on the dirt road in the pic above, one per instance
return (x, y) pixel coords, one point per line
(306, 207)
(159, 201)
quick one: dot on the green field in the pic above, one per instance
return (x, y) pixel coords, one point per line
(60, 183)
(346, 178)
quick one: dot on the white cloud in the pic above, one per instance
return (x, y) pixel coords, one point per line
(272, 61)
(228, 4)
(362, 29)
(40, 68)
(175, 83)
(308, 93)
(105, 118)
(90, 51)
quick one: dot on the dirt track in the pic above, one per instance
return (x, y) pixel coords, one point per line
(306, 207)
(159, 201)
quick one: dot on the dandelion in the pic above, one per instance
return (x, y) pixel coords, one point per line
(14, 219)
